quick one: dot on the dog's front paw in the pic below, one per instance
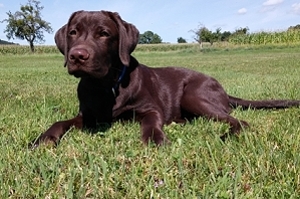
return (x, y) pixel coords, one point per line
(162, 142)
(158, 137)
(47, 140)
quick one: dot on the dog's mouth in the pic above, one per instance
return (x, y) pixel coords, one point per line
(79, 74)
(87, 72)
(82, 62)
(84, 68)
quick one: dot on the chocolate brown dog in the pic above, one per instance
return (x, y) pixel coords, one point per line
(97, 47)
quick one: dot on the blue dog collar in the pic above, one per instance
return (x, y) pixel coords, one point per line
(114, 89)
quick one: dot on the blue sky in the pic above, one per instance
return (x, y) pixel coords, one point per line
(172, 18)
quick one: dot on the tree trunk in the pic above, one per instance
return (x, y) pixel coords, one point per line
(31, 46)
(200, 45)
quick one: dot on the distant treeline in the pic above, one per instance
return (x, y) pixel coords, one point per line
(2, 42)
(285, 38)
(243, 36)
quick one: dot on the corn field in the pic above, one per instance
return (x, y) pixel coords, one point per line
(165, 47)
(284, 37)
(22, 49)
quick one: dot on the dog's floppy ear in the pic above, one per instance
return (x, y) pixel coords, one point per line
(61, 38)
(128, 37)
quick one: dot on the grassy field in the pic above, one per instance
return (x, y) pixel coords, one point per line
(263, 162)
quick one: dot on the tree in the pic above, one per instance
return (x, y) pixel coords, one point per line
(149, 37)
(216, 36)
(296, 27)
(202, 34)
(241, 31)
(27, 24)
(181, 40)
(225, 36)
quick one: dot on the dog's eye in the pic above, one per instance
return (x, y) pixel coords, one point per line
(72, 32)
(104, 34)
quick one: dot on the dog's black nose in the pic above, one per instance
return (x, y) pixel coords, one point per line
(79, 54)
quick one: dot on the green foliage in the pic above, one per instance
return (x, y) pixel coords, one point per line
(164, 47)
(289, 37)
(263, 162)
(181, 40)
(202, 34)
(241, 31)
(183, 47)
(225, 35)
(20, 49)
(149, 37)
(296, 27)
(27, 24)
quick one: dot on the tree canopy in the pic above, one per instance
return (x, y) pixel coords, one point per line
(203, 34)
(296, 27)
(181, 40)
(27, 24)
(149, 37)
(241, 31)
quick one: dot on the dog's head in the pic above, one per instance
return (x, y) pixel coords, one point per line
(92, 42)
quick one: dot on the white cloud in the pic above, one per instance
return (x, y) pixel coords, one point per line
(296, 8)
(272, 2)
(268, 9)
(1, 5)
(242, 11)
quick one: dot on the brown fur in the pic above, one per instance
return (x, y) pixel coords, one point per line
(97, 47)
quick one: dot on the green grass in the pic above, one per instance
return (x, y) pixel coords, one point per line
(263, 162)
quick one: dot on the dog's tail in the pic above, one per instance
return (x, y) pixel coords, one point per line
(262, 104)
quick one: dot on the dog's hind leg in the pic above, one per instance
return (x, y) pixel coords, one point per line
(212, 104)
(210, 111)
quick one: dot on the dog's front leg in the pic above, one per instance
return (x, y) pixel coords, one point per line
(57, 130)
(151, 125)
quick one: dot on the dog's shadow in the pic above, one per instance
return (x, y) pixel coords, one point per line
(100, 129)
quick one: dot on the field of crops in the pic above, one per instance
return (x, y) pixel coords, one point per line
(287, 37)
(39, 49)
(24, 49)
(291, 37)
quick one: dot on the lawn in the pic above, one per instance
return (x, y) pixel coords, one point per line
(263, 162)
